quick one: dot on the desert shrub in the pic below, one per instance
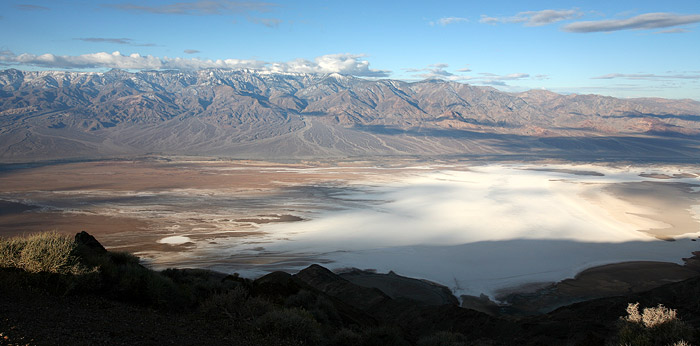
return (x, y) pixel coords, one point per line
(383, 336)
(654, 326)
(293, 326)
(230, 304)
(319, 306)
(681, 343)
(346, 337)
(443, 339)
(10, 252)
(256, 307)
(46, 261)
(201, 284)
(235, 304)
(47, 252)
(129, 281)
(123, 258)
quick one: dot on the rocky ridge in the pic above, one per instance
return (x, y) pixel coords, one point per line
(249, 114)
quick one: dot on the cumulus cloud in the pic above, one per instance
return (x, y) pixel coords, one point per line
(268, 22)
(28, 7)
(190, 51)
(643, 21)
(351, 64)
(647, 76)
(340, 63)
(199, 7)
(533, 18)
(449, 20)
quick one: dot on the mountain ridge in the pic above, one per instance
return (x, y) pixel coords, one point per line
(250, 114)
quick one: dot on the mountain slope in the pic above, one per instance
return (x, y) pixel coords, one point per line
(247, 114)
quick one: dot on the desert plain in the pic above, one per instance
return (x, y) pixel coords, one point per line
(503, 230)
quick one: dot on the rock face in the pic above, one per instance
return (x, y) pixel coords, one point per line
(85, 239)
(247, 114)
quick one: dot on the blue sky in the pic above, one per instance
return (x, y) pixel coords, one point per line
(617, 48)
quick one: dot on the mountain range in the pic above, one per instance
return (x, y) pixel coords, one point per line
(250, 114)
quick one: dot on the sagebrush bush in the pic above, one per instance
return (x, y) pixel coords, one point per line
(47, 252)
(130, 281)
(295, 326)
(654, 326)
(443, 338)
(384, 336)
(320, 307)
(651, 317)
(202, 284)
(10, 252)
(230, 304)
(346, 337)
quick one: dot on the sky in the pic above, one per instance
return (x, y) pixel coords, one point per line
(617, 48)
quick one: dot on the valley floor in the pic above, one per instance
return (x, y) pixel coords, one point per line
(507, 230)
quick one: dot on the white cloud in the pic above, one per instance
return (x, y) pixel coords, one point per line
(533, 18)
(489, 20)
(433, 71)
(642, 21)
(341, 63)
(29, 7)
(500, 80)
(439, 71)
(647, 76)
(199, 7)
(126, 41)
(351, 64)
(268, 22)
(673, 31)
(538, 18)
(190, 51)
(449, 20)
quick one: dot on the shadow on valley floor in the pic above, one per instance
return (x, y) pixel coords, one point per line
(688, 117)
(661, 147)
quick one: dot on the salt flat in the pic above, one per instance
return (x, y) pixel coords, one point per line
(474, 228)
(491, 227)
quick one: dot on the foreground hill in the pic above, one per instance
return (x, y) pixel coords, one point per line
(60, 291)
(245, 114)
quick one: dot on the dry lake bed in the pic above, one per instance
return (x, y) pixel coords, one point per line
(475, 228)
